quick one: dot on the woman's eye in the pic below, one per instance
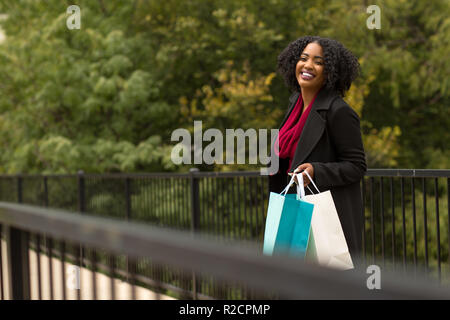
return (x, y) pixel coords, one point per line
(302, 59)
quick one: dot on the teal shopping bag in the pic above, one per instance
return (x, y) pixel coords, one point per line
(288, 223)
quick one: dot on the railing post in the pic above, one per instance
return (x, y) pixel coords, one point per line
(17, 256)
(195, 201)
(81, 192)
(128, 197)
(195, 219)
(45, 191)
(128, 217)
(81, 209)
(19, 189)
(18, 263)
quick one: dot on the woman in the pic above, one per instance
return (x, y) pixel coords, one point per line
(320, 133)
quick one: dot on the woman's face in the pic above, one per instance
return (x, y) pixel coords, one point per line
(309, 69)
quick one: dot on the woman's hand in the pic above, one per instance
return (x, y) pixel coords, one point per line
(305, 167)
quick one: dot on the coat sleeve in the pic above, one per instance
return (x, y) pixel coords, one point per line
(279, 180)
(345, 135)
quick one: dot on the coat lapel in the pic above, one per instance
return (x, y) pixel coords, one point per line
(314, 127)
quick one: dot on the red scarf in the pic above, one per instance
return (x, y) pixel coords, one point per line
(292, 129)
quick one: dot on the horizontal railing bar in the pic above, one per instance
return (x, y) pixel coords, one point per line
(288, 276)
(419, 173)
(100, 175)
(136, 175)
(140, 175)
(227, 174)
(37, 175)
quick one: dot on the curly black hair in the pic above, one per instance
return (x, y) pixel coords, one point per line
(341, 67)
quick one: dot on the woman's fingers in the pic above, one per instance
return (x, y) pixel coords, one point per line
(305, 167)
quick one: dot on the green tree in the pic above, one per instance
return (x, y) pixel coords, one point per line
(106, 97)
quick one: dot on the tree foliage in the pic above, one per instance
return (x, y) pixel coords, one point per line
(107, 97)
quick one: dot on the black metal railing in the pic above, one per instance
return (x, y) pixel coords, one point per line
(407, 221)
(406, 214)
(281, 276)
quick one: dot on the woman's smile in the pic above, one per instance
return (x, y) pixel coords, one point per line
(307, 75)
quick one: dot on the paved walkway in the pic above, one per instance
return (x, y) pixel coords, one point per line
(122, 289)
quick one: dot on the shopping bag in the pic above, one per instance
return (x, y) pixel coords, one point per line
(288, 224)
(327, 244)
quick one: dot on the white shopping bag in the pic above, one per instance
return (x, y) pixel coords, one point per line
(327, 245)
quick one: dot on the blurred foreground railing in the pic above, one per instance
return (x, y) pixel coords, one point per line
(280, 277)
(406, 214)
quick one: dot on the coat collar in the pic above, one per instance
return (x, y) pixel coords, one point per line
(314, 126)
(323, 100)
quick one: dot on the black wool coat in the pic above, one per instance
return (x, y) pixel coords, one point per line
(331, 141)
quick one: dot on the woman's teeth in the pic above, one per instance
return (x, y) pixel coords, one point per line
(307, 76)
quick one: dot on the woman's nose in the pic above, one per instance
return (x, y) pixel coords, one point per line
(308, 64)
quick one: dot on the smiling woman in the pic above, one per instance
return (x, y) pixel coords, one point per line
(320, 133)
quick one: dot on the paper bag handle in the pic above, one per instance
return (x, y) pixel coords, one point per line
(300, 188)
(310, 179)
(285, 190)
